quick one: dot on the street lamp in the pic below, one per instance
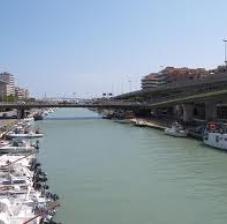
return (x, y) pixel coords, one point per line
(129, 83)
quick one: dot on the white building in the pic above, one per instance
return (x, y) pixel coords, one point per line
(3, 89)
(154, 80)
(9, 87)
(21, 93)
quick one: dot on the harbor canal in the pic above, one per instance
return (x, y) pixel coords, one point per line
(106, 172)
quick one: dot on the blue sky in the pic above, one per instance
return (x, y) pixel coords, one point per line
(59, 47)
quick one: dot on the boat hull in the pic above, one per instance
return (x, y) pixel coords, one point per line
(25, 136)
(216, 140)
(17, 150)
(125, 121)
(169, 131)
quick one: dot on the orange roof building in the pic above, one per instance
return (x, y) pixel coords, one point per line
(171, 74)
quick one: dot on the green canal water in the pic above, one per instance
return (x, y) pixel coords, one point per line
(110, 173)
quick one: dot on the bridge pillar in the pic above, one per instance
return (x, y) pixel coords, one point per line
(211, 111)
(187, 112)
(154, 112)
(177, 111)
(20, 113)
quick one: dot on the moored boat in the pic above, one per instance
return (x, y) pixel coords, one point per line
(24, 133)
(215, 135)
(38, 116)
(24, 194)
(176, 130)
(140, 123)
(30, 135)
(18, 147)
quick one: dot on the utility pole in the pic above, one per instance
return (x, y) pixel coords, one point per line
(225, 42)
(122, 87)
(130, 85)
(112, 88)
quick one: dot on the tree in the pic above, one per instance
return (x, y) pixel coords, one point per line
(10, 99)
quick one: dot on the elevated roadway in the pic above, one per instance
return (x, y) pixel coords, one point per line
(217, 95)
(186, 88)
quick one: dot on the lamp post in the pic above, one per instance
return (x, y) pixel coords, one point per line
(129, 83)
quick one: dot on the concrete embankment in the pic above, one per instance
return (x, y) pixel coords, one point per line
(195, 128)
(163, 124)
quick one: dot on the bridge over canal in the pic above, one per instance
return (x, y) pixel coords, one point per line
(210, 99)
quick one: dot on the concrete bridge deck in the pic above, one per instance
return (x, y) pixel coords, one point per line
(213, 82)
(218, 95)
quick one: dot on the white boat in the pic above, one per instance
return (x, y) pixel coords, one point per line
(140, 123)
(28, 122)
(215, 135)
(45, 112)
(14, 160)
(216, 140)
(24, 135)
(51, 110)
(17, 147)
(24, 210)
(4, 143)
(176, 130)
(25, 205)
(28, 119)
(24, 195)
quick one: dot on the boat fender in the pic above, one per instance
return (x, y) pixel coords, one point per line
(46, 187)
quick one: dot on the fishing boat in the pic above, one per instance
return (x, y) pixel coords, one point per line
(12, 161)
(38, 116)
(45, 112)
(28, 119)
(24, 133)
(27, 122)
(140, 123)
(215, 135)
(51, 110)
(30, 135)
(26, 210)
(18, 147)
(24, 194)
(176, 130)
(20, 201)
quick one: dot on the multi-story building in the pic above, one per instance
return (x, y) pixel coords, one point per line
(154, 80)
(3, 89)
(173, 75)
(21, 93)
(9, 89)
